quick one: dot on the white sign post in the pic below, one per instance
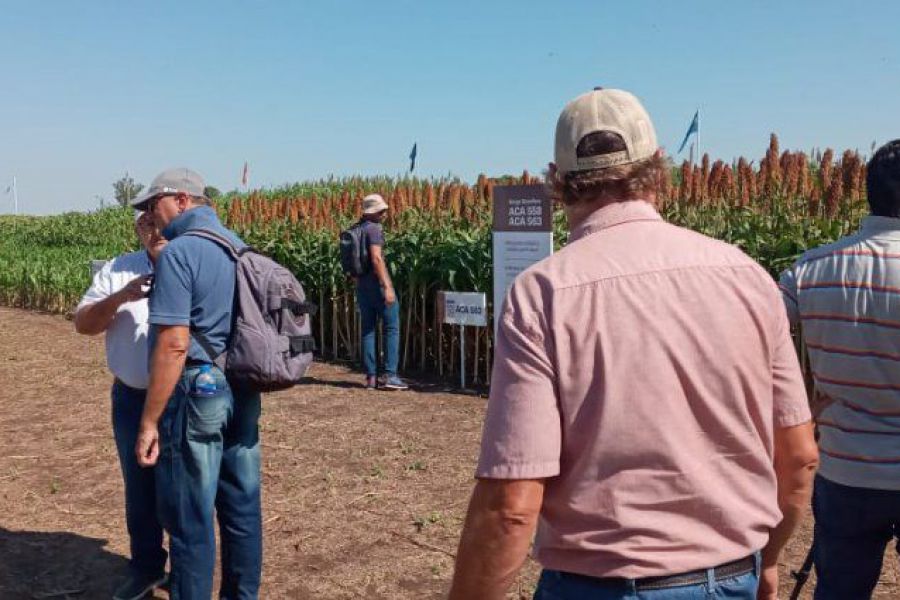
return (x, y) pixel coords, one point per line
(523, 234)
(463, 308)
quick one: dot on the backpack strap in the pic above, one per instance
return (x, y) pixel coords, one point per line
(221, 240)
(235, 253)
(302, 344)
(299, 308)
(363, 249)
(217, 359)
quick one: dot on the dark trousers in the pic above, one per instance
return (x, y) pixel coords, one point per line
(853, 528)
(148, 558)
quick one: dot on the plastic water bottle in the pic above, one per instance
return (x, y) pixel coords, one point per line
(205, 382)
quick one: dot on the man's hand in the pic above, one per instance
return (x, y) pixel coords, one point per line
(768, 583)
(147, 446)
(96, 318)
(166, 366)
(134, 290)
(389, 296)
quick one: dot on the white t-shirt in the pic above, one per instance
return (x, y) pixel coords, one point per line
(126, 337)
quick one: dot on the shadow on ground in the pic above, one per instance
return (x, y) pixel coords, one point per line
(56, 565)
(418, 382)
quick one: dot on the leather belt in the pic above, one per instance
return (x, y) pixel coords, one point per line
(117, 381)
(728, 570)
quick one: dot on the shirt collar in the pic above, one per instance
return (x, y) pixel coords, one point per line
(198, 217)
(615, 214)
(873, 225)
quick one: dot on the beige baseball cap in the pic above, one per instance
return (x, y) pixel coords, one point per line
(601, 110)
(373, 203)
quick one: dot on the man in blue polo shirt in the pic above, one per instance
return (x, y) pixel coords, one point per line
(376, 299)
(203, 439)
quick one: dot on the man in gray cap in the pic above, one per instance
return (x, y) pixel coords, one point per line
(647, 408)
(116, 305)
(202, 436)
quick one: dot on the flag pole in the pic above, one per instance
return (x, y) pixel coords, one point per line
(15, 196)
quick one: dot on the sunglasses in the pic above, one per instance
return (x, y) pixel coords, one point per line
(154, 201)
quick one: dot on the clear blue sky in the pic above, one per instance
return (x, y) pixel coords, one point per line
(300, 90)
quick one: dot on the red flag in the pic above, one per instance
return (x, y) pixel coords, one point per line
(244, 175)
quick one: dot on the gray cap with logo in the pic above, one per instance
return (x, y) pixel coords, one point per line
(170, 182)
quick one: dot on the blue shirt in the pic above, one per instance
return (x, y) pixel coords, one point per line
(194, 283)
(373, 235)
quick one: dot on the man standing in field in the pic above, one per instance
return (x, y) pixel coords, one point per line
(203, 434)
(647, 407)
(376, 298)
(116, 304)
(846, 296)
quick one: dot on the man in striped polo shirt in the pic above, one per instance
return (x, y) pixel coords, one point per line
(846, 295)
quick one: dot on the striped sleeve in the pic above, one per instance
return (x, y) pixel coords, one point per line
(790, 403)
(787, 285)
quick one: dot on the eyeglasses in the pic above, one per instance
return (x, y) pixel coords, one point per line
(154, 201)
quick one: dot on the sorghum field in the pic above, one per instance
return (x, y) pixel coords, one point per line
(364, 492)
(439, 239)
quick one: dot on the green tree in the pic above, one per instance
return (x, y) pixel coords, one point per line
(127, 189)
(211, 192)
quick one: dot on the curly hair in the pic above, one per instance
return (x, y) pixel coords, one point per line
(633, 181)
(883, 181)
(625, 182)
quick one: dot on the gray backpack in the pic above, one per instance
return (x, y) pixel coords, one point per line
(271, 343)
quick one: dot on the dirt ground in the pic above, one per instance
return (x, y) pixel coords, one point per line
(364, 492)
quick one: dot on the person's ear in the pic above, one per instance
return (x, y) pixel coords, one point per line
(183, 201)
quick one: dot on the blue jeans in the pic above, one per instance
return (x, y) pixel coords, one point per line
(209, 463)
(148, 558)
(853, 528)
(557, 585)
(371, 306)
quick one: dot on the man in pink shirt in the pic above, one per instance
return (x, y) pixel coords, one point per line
(647, 411)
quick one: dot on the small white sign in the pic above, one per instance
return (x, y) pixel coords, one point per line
(465, 308)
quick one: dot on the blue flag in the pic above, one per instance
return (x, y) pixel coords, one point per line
(694, 128)
(412, 158)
